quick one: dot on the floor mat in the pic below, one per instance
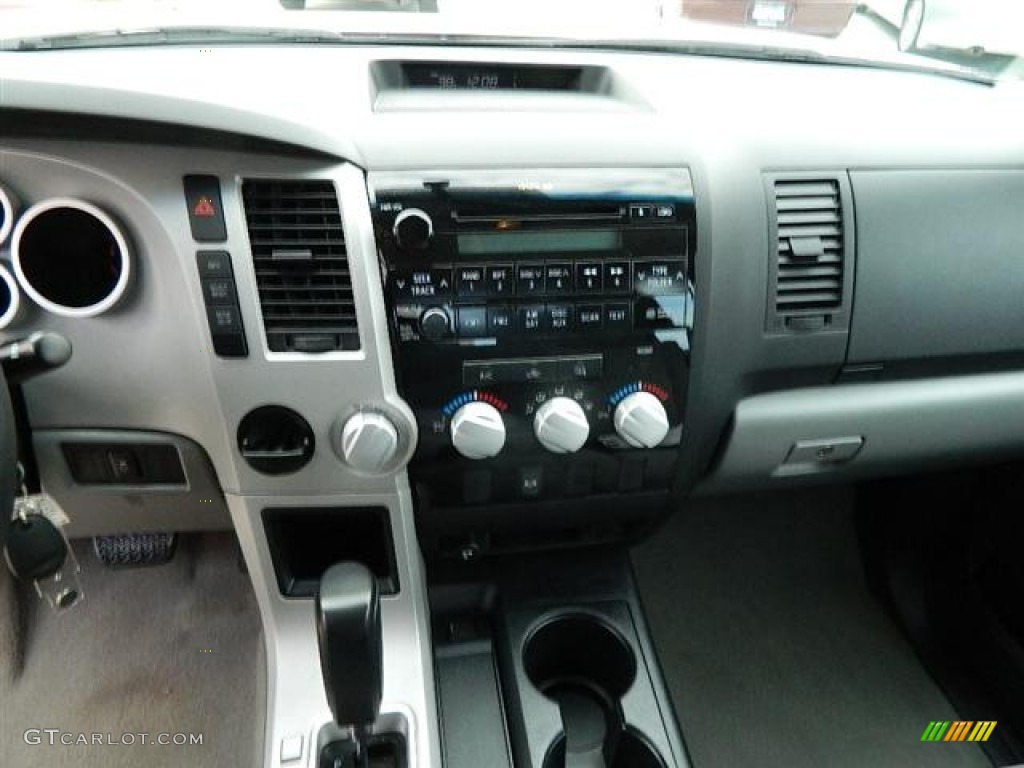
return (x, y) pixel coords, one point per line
(775, 653)
(162, 651)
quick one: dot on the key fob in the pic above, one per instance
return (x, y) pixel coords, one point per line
(36, 548)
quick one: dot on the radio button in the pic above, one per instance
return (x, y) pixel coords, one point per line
(530, 279)
(661, 312)
(617, 317)
(617, 277)
(422, 283)
(499, 280)
(500, 321)
(589, 316)
(654, 278)
(558, 279)
(531, 319)
(641, 211)
(589, 276)
(470, 283)
(472, 322)
(559, 318)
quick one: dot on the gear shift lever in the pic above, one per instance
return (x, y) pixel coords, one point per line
(349, 633)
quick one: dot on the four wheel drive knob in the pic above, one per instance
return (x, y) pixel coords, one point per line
(478, 431)
(368, 442)
(640, 419)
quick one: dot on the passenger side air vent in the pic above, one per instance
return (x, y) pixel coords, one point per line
(810, 289)
(302, 271)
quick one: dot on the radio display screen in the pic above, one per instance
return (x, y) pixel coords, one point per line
(533, 241)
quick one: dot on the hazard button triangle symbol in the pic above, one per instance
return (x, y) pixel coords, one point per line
(204, 208)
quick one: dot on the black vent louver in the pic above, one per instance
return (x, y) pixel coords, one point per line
(808, 271)
(302, 271)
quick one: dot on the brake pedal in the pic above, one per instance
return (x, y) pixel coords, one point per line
(135, 548)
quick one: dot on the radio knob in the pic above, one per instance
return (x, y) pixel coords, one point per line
(413, 229)
(561, 425)
(435, 324)
(641, 420)
(478, 431)
(368, 442)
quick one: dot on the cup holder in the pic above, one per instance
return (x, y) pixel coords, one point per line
(585, 667)
(70, 257)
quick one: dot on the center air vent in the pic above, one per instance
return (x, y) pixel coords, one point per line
(302, 271)
(808, 289)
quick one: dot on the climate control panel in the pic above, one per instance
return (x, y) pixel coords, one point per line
(562, 418)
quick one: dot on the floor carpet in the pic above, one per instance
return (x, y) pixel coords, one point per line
(171, 649)
(774, 651)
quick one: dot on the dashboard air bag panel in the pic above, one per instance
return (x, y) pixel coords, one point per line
(940, 264)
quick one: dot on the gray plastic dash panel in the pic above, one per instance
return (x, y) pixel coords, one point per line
(939, 257)
(905, 426)
(101, 510)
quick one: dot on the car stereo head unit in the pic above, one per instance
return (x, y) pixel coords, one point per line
(541, 324)
(459, 241)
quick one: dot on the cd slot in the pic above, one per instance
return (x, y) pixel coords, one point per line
(557, 211)
(510, 221)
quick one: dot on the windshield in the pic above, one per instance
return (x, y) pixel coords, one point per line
(978, 37)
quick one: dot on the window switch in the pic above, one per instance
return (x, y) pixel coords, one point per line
(124, 466)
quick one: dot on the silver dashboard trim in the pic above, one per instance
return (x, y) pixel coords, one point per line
(296, 702)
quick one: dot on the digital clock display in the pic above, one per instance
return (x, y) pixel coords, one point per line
(460, 77)
(485, 76)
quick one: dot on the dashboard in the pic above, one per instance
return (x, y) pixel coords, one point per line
(516, 298)
(902, 156)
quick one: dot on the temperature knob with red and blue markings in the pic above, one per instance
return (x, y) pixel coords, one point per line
(477, 428)
(640, 417)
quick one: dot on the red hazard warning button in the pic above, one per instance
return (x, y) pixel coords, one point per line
(205, 212)
(204, 208)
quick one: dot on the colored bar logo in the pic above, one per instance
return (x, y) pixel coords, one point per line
(958, 730)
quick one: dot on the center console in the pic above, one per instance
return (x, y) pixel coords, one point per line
(540, 323)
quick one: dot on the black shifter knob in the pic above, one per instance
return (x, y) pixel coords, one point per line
(349, 633)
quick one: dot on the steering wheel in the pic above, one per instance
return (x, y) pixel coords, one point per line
(8, 460)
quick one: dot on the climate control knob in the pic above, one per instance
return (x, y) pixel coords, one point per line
(413, 229)
(640, 419)
(368, 442)
(561, 425)
(478, 431)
